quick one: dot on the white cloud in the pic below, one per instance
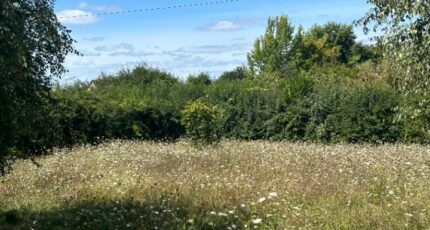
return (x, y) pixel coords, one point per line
(76, 17)
(222, 26)
(211, 49)
(117, 47)
(100, 8)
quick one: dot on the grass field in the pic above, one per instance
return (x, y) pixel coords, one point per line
(236, 185)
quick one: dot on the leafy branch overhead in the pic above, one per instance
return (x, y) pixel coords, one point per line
(406, 34)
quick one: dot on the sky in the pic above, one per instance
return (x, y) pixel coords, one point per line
(211, 38)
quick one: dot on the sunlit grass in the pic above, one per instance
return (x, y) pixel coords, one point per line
(236, 185)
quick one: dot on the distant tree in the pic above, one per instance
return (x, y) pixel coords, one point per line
(299, 50)
(272, 51)
(201, 78)
(235, 75)
(33, 46)
(284, 51)
(331, 43)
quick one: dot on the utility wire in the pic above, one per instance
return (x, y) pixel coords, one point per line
(151, 9)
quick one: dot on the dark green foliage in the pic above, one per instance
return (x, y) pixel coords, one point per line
(33, 46)
(83, 123)
(361, 114)
(235, 75)
(246, 104)
(201, 79)
(416, 124)
(11, 217)
(324, 104)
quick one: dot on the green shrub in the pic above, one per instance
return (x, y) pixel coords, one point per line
(202, 123)
(415, 118)
(360, 114)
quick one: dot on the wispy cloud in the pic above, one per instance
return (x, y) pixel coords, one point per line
(99, 8)
(94, 39)
(211, 49)
(89, 53)
(133, 53)
(123, 49)
(76, 17)
(226, 26)
(124, 46)
(231, 25)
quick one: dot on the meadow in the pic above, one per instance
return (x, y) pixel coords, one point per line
(233, 185)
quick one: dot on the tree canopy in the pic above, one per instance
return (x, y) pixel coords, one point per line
(272, 51)
(282, 48)
(33, 46)
(406, 27)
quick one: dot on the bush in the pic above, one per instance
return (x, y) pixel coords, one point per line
(415, 118)
(202, 123)
(361, 114)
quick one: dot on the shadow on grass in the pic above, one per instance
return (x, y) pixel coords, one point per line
(119, 215)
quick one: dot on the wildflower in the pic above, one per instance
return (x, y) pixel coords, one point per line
(273, 195)
(257, 221)
(262, 199)
(222, 214)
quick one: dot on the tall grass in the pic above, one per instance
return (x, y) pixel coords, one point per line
(235, 185)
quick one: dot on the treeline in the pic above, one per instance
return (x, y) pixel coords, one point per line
(328, 104)
(318, 85)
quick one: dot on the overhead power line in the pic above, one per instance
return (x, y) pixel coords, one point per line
(151, 9)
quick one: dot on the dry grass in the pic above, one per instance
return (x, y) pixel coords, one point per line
(237, 185)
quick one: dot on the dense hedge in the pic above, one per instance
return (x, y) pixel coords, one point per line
(328, 104)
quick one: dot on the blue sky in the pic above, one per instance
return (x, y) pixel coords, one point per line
(183, 41)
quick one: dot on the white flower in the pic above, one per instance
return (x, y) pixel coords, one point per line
(257, 221)
(262, 199)
(222, 214)
(273, 195)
